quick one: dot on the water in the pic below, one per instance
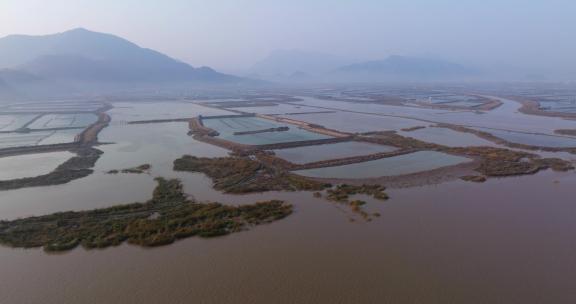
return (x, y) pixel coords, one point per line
(533, 139)
(8, 140)
(302, 155)
(504, 117)
(14, 122)
(559, 106)
(397, 165)
(504, 241)
(63, 121)
(60, 137)
(227, 126)
(277, 109)
(51, 106)
(354, 122)
(447, 137)
(130, 111)
(29, 165)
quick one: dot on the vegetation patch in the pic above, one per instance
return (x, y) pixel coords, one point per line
(342, 193)
(413, 128)
(492, 161)
(76, 167)
(145, 168)
(504, 162)
(167, 217)
(278, 129)
(474, 178)
(244, 175)
(571, 132)
(501, 141)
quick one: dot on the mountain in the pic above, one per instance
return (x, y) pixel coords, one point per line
(83, 56)
(6, 91)
(24, 84)
(285, 63)
(405, 68)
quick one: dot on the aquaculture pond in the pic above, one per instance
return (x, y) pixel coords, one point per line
(505, 117)
(446, 137)
(8, 140)
(565, 106)
(29, 165)
(354, 122)
(49, 121)
(133, 145)
(131, 111)
(391, 166)
(468, 104)
(279, 108)
(302, 155)
(14, 121)
(533, 139)
(444, 243)
(51, 106)
(228, 126)
(60, 137)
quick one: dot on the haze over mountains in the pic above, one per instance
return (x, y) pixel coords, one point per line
(282, 63)
(301, 66)
(81, 58)
(400, 68)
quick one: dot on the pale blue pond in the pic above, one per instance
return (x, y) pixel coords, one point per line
(302, 155)
(446, 137)
(534, 139)
(14, 122)
(227, 126)
(50, 121)
(398, 165)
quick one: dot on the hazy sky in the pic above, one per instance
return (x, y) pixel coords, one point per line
(233, 34)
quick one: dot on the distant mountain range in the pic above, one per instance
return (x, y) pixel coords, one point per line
(81, 57)
(80, 60)
(405, 68)
(302, 66)
(291, 62)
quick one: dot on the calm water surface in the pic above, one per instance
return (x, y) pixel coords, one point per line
(309, 154)
(505, 241)
(397, 165)
(29, 165)
(228, 126)
(447, 137)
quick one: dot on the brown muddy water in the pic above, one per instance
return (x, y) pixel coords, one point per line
(505, 241)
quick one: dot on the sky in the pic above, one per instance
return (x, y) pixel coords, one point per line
(231, 35)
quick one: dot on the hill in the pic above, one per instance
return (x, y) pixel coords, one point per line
(83, 56)
(405, 68)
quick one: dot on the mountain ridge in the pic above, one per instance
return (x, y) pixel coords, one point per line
(81, 55)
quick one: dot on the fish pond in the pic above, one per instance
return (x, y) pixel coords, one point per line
(391, 166)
